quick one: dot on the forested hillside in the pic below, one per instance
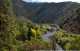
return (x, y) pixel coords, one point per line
(19, 33)
(44, 12)
(73, 23)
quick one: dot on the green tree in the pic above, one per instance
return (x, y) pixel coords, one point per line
(6, 19)
(29, 33)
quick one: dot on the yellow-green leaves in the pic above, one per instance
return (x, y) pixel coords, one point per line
(33, 33)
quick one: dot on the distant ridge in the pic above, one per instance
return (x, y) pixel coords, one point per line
(44, 12)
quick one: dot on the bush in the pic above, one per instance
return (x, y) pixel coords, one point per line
(38, 34)
(45, 31)
(64, 40)
(75, 43)
(38, 44)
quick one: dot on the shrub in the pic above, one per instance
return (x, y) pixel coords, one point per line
(63, 41)
(38, 34)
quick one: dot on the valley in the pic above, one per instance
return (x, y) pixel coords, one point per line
(27, 26)
(50, 13)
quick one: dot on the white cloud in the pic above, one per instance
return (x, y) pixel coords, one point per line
(54, 0)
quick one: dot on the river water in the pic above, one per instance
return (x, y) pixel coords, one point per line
(45, 38)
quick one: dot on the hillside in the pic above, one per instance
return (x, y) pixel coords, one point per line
(21, 19)
(44, 12)
(73, 24)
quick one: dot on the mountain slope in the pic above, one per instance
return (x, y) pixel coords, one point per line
(53, 13)
(73, 24)
(21, 19)
(21, 8)
(44, 12)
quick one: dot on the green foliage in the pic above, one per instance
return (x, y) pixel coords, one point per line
(68, 40)
(75, 43)
(15, 32)
(21, 46)
(45, 31)
(64, 20)
(46, 46)
(29, 33)
(33, 33)
(38, 34)
(7, 35)
(38, 44)
(45, 28)
(2, 48)
(37, 27)
(63, 41)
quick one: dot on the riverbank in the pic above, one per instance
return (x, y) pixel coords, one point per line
(68, 40)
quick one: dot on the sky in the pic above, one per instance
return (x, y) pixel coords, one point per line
(56, 1)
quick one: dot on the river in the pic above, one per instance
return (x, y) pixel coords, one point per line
(45, 38)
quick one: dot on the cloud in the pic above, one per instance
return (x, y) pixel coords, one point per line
(28, 0)
(52, 0)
